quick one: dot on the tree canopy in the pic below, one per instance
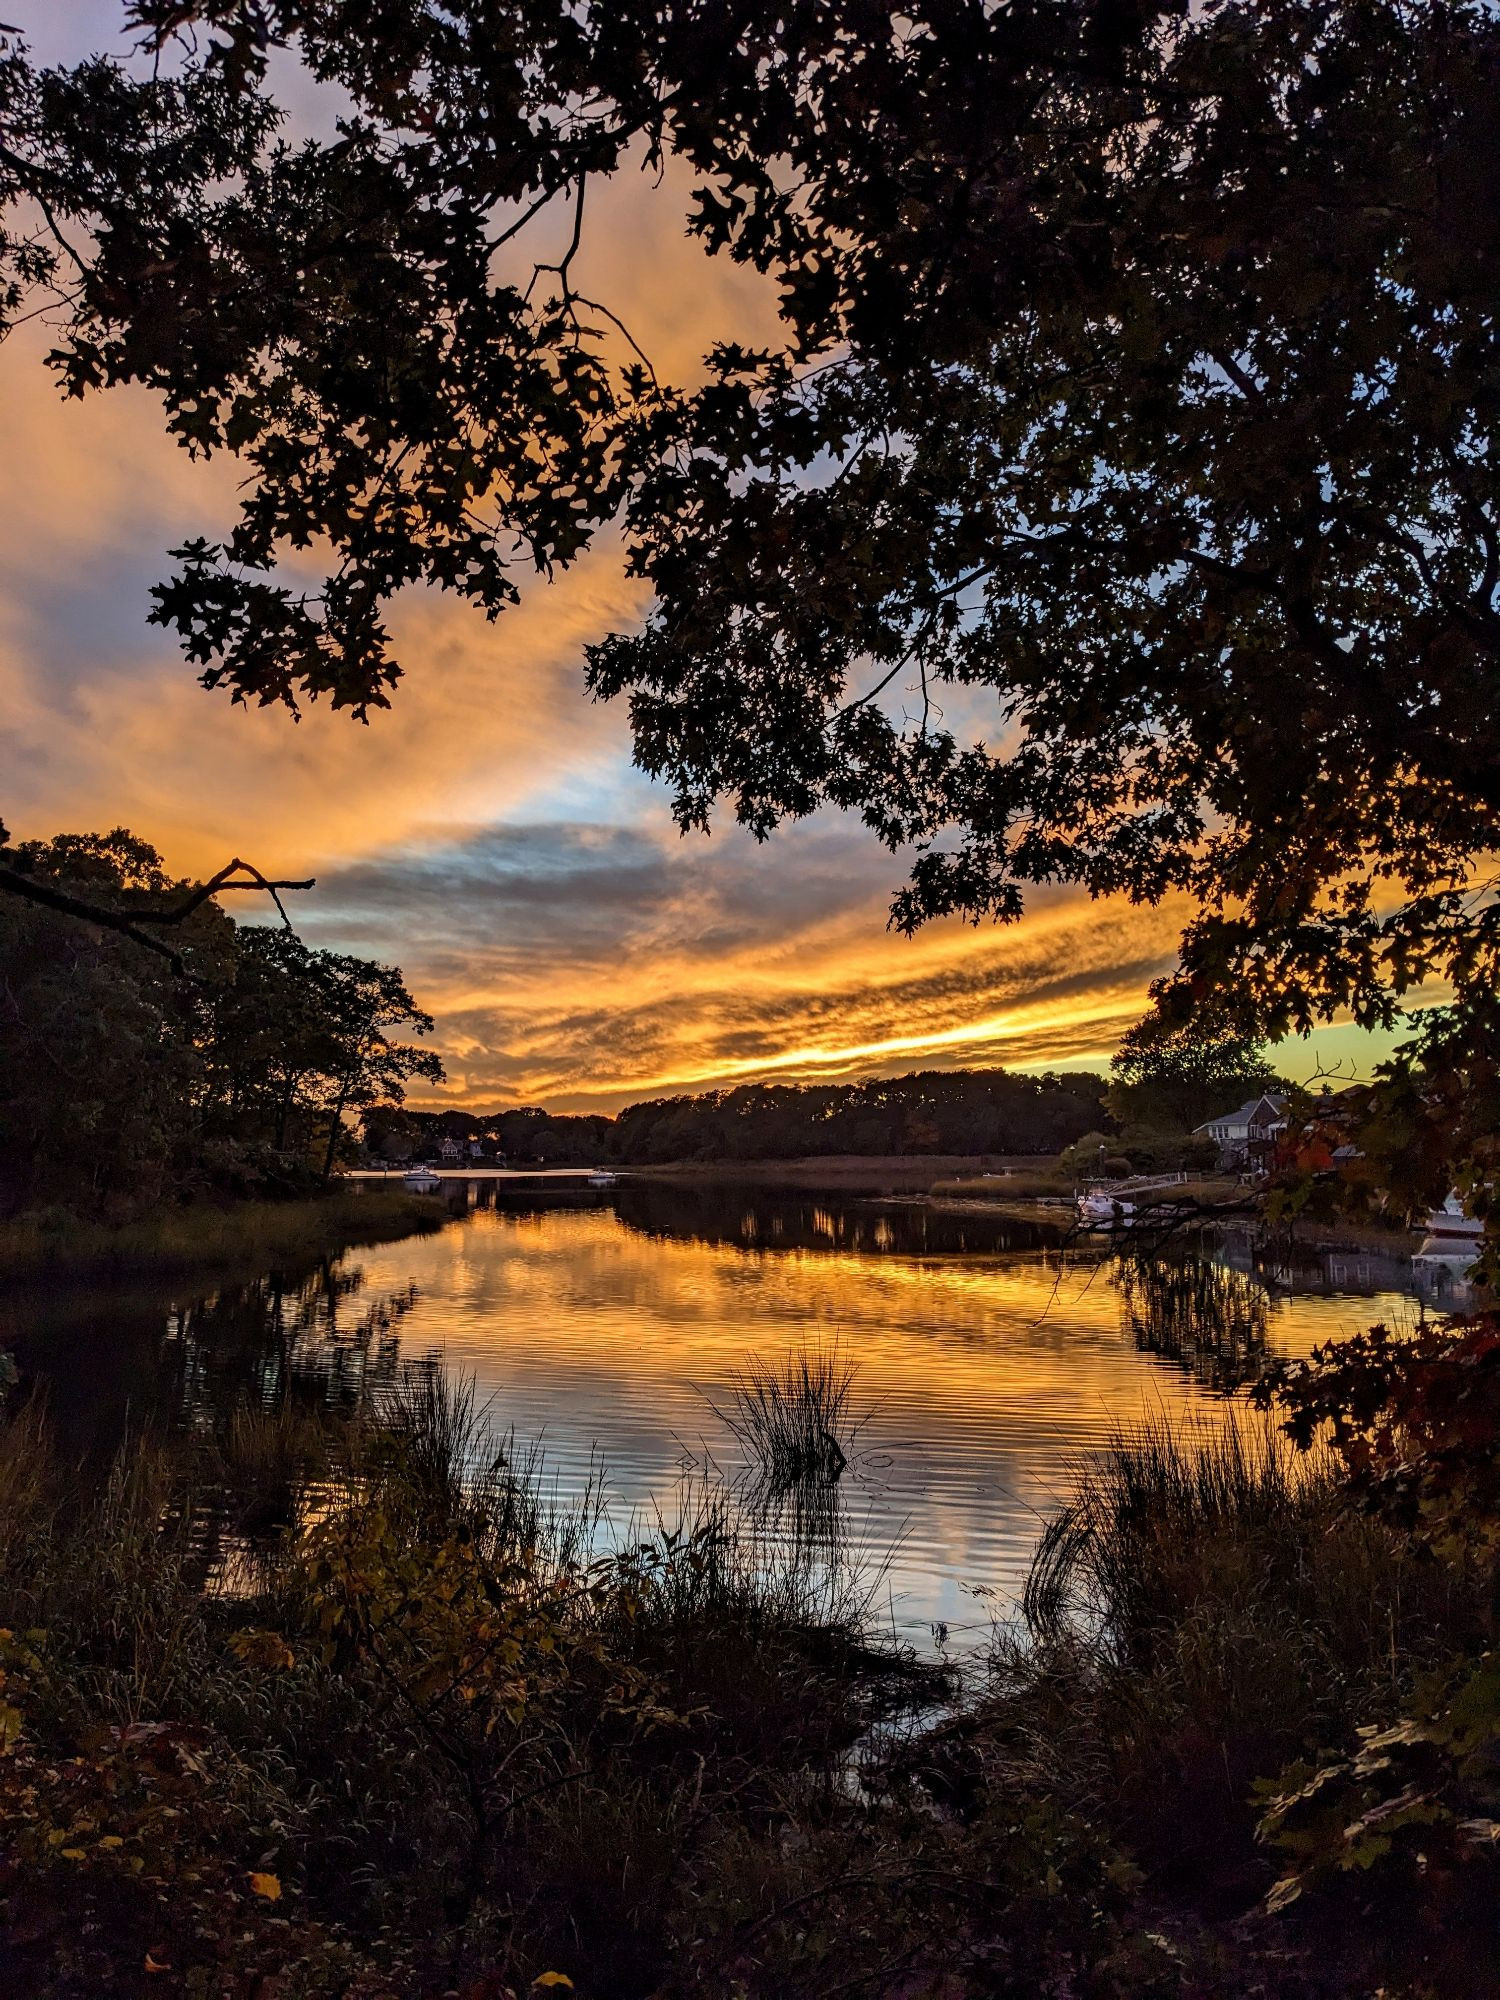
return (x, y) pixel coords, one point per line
(1180, 1078)
(1138, 371)
(929, 1112)
(123, 1084)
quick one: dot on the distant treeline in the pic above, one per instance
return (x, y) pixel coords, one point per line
(933, 1111)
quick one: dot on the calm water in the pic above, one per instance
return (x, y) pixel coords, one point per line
(603, 1327)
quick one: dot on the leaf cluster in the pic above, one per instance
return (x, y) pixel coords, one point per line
(1135, 391)
(122, 1083)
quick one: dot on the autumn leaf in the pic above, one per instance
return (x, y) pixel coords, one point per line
(263, 1649)
(553, 1979)
(267, 1886)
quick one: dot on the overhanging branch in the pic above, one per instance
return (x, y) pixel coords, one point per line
(236, 874)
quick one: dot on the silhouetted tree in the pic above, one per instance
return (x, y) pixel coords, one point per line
(1174, 1079)
(1138, 365)
(101, 1071)
(122, 1083)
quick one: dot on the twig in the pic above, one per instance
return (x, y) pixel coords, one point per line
(127, 922)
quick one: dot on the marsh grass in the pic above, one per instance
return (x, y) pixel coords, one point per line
(374, 1656)
(470, 1748)
(1127, 1552)
(792, 1418)
(1207, 1609)
(205, 1237)
(1047, 1182)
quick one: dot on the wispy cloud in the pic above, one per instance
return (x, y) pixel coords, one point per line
(488, 834)
(590, 964)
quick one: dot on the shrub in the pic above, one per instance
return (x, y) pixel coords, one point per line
(1206, 1610)
(1397, 1829)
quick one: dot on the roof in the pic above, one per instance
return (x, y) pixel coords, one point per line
(1244, 1114)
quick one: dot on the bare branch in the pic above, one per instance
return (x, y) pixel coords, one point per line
(127, 923)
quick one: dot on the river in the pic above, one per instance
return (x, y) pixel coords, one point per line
(602, 1327)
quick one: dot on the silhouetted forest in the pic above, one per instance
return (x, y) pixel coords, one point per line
(931, 1111)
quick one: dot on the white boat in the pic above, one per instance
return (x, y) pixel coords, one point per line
(1098, 1208)
(1450, 1247)
(421, 1180)
(601, 1177)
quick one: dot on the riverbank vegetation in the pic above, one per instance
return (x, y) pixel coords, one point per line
(343, 1703)
(209, 1236)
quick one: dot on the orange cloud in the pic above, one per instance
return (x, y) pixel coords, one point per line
(487, 833)
(589, 964)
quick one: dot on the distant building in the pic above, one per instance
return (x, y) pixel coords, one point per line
(450, 1149)
(1247, 1135)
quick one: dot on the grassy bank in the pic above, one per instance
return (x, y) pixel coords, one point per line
(1051, 1182)
(1041, 1183)
(427, 1745)
(207, 1237)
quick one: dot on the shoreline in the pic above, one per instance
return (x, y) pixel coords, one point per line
(834, 1173)
(208, 1238)
(915, 1180)
(1325, 1238)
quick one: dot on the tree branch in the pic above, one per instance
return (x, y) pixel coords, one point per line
(126, 923)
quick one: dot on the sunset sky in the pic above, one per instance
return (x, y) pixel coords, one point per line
(490, 834)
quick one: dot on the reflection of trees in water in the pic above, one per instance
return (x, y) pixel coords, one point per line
(1210, 1320)
(267, 1382)
(111, 1360)
(751, 1219)
(312, 1341)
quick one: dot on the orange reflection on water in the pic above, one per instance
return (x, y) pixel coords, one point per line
(985, 1375)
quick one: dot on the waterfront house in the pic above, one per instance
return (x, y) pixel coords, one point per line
(1247, 1135)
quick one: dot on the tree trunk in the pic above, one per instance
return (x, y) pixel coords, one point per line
(284, 1111)
(333, 1133)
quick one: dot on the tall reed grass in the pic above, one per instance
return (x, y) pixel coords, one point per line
(1205, 1610)
(793, 1417)
(204, 1236)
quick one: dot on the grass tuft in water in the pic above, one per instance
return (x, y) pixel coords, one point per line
(792, 1417)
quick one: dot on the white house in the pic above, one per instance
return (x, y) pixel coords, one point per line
(1246, 1132)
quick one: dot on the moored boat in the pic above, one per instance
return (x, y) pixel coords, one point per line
(1099, 1208)
(601, 1177)
(1450, 1245)
(421, 1180)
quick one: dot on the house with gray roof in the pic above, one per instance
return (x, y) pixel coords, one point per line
(1246, 1135)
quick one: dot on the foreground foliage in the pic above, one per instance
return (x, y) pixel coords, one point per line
(432, 1745)
(424, 1742)
(1400, 1829)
